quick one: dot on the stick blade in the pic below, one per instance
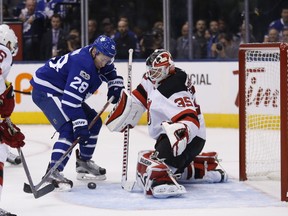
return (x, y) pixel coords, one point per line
(128, 186)
(27, 188)
(41, 192)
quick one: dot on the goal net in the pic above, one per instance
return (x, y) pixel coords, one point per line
(263, 113)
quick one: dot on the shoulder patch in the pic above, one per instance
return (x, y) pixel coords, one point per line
(84, 75)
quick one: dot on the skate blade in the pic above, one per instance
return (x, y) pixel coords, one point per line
(63, 187)
(89, 177)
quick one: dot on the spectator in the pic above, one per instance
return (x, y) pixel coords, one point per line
(284, 35)
(273, 36)
(225, 48)
(199, 40)
(5, 12)
(33, 27)
(214, 31)
(125, 39)
(73, 40)
(108, 27)
(279, 24)
(92, 30)
(222, 26)
(207, 35)
(240, 37)
(151, 40)
(158, 25)
(182, 43)
(53, 42)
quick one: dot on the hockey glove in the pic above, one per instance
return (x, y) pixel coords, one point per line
(80, 127)
(178, 136)
(115, 87)
(12, 137)
(7, 102)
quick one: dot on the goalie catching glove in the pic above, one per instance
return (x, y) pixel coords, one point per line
(11, 136)
(178, 135)
(7, 102)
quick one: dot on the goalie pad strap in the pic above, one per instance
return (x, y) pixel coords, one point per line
(125, 113)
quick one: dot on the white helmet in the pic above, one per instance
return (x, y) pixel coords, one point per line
(8, 35)
(160, 65)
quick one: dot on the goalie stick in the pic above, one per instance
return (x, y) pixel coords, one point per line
(128, 186)
(29, 188)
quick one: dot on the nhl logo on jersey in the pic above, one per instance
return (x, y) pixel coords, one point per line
(84, 75)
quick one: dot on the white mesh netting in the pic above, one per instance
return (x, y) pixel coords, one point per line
(262, 89)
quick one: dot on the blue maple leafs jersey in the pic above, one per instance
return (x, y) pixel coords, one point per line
(73, 77)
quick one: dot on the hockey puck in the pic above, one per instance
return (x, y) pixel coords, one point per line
(91, 185)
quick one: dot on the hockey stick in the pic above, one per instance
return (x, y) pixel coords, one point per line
(22, 92)
(124, 183)
(42, 191)
(30, 188)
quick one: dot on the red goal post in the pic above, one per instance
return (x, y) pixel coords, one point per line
(263, 123)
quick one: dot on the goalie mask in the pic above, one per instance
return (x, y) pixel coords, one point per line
(7, 35)
(159, 65)
(106, 46)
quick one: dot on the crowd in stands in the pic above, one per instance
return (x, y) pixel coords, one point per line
(50, 30)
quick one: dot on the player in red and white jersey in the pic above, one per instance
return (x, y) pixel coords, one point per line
(176, 123)
(8, 136)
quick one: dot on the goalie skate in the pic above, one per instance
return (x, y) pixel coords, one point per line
(88, 170)
(168, 190)
(60, 182)
(216, 176)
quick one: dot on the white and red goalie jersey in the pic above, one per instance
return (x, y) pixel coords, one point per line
(172, 101)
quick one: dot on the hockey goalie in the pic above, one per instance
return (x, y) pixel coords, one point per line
(177, 125)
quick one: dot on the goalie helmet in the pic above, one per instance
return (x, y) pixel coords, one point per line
(106, 46)
(160, 65)
(8, 35)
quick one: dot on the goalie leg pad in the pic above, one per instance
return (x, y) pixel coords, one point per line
(203, 170)
(154, 178)
(127, 112)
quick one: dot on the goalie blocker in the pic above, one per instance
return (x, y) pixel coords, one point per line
(125, 113)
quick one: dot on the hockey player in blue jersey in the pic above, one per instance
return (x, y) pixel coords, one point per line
(60, 89)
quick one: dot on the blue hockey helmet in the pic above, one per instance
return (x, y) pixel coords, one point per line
(105, 45)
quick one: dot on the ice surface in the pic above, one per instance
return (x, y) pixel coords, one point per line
(233, 197)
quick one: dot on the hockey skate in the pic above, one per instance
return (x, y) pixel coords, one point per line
(59, 181)
(13, 159)
(88, 170)
(5, 213)
(215, 176)
(168, 189)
